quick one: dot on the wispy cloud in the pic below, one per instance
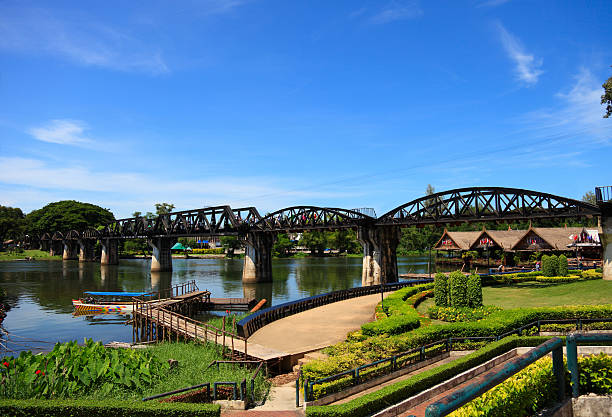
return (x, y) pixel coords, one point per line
(578, 114)
(527, 67)
(76, 37)
(63, 132)
(491, 3)
(397, 10)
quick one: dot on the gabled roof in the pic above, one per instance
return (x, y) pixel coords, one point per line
(463, 240)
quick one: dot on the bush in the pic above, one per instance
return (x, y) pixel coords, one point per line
(596, 374)
(520, 395)
(441, 289)
(570, 278)
(97, 408)
(458, 289)
(452, 314)
(589, 274)
(474, 291)
(214, 251)
(562, 265)
(547, 267)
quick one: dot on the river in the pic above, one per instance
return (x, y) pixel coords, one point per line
(41, 292)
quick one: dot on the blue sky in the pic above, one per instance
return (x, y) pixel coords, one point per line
(278, 103)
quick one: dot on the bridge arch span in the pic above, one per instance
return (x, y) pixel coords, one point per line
(298, 218)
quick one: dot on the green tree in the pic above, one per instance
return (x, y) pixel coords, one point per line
(137, 214)
(67, 215)
(562, 267)
(344, 241)
(230, 244)
(12, 223)
(163, 208)
(606, 97)
(589, 197)
(316, 241)
(283, 245)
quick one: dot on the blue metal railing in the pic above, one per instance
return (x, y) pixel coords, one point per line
(572, 341)
(603, 194)
(255, 321)
(487, 381)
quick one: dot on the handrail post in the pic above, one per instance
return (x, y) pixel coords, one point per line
(305, 390)
(559, 372)
(572, 363)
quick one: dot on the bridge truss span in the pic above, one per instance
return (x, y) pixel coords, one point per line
(300, 218)
(486, 204)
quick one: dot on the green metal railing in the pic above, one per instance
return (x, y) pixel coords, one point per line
(572, 341)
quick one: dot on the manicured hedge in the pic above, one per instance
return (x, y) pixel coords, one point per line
(392, 394)
(595, 374)
(458, 289)
(400, 312)
(214, 251)
(576, 275)
(441, 289)
(474, 291)
(562, 265)
(106, 408)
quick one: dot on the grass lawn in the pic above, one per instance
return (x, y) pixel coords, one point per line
(34, 253)
(534, 294)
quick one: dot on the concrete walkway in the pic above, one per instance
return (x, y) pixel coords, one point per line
(317, 328)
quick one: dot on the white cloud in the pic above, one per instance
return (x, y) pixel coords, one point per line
(78, 38)
(527, 67)
(63, 132)
(397, 10)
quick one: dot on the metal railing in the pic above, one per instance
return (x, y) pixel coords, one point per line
(571, 342)
(254, 322)
(603, 194)
(487, 381)
(421, 353)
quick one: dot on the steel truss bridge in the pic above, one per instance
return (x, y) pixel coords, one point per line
(463, 205)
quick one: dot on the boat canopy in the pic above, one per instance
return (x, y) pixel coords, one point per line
(117, 293)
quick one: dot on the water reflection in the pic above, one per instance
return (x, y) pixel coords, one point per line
(44, 290)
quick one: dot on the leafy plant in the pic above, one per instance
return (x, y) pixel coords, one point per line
(596, 374)
(474, 291)
(458, 289)
(441, 293)
(453, 314)
(562, 265)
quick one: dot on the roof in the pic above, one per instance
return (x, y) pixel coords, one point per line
(177, 245)
(558, 237)
(506, 239)
(463, 240)
(117, 293)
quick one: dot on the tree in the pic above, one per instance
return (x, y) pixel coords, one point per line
(137, 214)
(283, 245)
(67, 215)
(230, 243)
(589, 197)
(315, 241)
(163, 208)
(12, 223)
(344, 241)
(606, 97)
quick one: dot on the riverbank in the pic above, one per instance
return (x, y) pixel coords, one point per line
(31, 254)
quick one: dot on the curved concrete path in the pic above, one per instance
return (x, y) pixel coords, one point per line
(317, 328)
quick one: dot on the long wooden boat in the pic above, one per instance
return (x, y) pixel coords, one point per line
(105, 302)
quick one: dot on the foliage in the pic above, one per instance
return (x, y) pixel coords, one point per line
(606, 97)
(230, 243)
(453, 314)
(550, 265)
(590, 197)
(458, 289)
(591, 274)
(70, 370)
(370, 403)
(520, 395)
(67, 215)
(316, 241)
(474, 291)
(214, 251)
(585, 275)
(283, 245)
(558, 280)
(163, 208)
(441, 294)
(32, 253)
(596, 374)
(105, 408)
(417, 239)
(136, 246)
(12, 223)
(344, 241)
(562, 265)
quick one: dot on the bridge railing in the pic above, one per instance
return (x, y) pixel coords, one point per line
(603, 194)
(254, 322)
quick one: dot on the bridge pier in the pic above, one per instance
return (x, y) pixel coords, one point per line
(56, 248)
(379, 254)
(257, 265)
(86, 250)
(70, 250)
(110, 252)
(161, 259)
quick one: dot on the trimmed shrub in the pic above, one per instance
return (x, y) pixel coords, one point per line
(452, 314)
(596, 374)
(212, 251)
(441, 289)
(458, 289)
(474, 291)
(589, 274)
(105, 408)
(562, 265)
(547, 268)
(558, 280)
(523, 394)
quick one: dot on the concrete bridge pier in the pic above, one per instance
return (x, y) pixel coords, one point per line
(110, 252)
(56, 248)
(379, 254)
(86, 250)
(257, 265)
(70, 250)
(606, 242)
(161, 258)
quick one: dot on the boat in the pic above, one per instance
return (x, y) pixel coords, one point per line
(106, 302)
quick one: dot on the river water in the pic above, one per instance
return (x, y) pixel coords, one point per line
(41, 292)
